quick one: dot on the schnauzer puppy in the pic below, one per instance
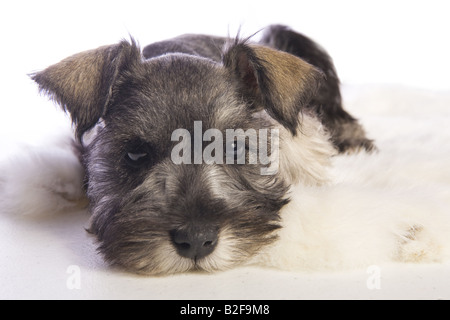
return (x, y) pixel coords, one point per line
(167, 192)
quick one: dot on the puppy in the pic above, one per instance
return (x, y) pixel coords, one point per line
(172, 140)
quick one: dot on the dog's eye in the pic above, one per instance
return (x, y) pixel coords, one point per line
(235, 150)
(136, 159)
(136, 156)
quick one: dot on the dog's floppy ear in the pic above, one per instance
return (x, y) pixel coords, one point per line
(83, 83)
(277, 81)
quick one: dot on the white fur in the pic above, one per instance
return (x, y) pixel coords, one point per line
(393, 205)
(42, 181)
(306, 157)
(354, 225)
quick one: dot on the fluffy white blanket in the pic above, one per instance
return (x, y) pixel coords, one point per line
(390, 206)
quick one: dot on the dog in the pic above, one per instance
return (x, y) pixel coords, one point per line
(162, 200)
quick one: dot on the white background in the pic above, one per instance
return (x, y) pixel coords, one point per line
(388, 42)
(371, 41)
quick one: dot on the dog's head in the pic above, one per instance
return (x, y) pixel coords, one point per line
(165, 192)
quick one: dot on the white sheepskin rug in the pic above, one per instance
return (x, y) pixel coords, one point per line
(393, 205)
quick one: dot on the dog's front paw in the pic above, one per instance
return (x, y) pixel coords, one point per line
(348, 136)
(356, 145)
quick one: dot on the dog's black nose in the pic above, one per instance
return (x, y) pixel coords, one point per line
(195, 244)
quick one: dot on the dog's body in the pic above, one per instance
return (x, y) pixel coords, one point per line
(154, 216)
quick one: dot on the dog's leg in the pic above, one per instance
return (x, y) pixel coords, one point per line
(346, 133)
